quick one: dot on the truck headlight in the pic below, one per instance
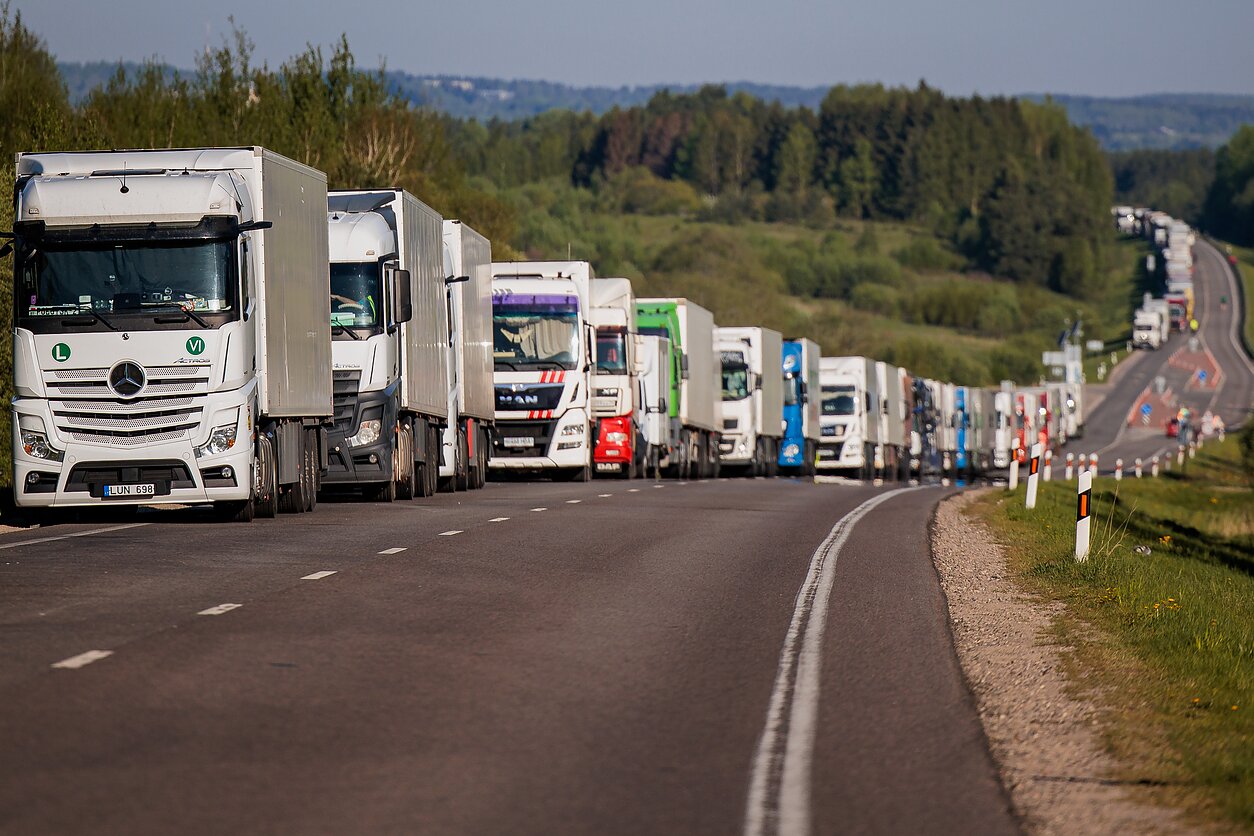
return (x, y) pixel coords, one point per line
(220, 440)
(572, 429)
(368, 433)
(36, 446)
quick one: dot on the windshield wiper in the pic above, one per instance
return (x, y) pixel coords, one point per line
(94, 315)
(346, 330)
(188, 314)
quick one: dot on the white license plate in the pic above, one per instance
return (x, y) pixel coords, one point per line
(130, 490)
(518, 441)
(609, 467)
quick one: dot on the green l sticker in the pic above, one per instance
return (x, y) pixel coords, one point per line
(60, 352)
(195, 345)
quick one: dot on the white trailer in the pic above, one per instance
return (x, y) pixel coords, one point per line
(467, 437)
(543, 368)
(893, 453)
(654, 353)
(753, 398)
(171, 335)
(390, 365)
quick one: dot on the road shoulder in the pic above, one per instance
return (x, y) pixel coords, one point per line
(1044, 737)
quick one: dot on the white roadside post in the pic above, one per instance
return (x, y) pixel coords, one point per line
(1084, 509)
(1192, 449)
(1137, 467)
(1047, 472)
(1180, 455)
(1069, 472)
(1093, 465)
(1014, 464)
(1118, 470)
(1082, 463)
(1154, 466)
(1034, 468)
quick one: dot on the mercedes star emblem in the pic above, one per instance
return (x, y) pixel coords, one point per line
(127, 378)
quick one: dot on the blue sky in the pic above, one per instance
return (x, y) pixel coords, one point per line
(1096, 47)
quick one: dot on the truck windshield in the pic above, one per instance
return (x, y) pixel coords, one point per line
(535, 330)
(838, 400)
(735, 377)
(611, 351)
(61, 279)
(356, 296)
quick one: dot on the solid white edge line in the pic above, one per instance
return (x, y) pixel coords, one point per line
(317, 576)
(449, 533)
(220, 609)
(75, 534)
(394, 550)
(76, 662)
(797, 700)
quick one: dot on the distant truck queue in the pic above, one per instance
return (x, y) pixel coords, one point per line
(213, 327)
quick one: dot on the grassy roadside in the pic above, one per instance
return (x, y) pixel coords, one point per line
(1245, 262)
(1164, 641)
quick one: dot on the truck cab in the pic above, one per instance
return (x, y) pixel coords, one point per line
(617, 449)
(752, 399)
(849, 415)
(542, 362)
(799, 447)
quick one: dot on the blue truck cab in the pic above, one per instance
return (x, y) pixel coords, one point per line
(799, 447)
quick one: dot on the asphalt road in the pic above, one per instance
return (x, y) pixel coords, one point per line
(1106, 432)
(753, 656)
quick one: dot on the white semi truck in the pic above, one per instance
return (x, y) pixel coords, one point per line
(467, 437)
(654, 409)
(850, 421)
(1151, 323)
(543, 368)
(893, 454)
(616, 429)
(390, 360)
(171, 330)
(752, 398)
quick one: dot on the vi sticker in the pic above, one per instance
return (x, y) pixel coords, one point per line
(195, 346)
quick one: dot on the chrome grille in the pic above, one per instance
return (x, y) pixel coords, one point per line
(169, 407)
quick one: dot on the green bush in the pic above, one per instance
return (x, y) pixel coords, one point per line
(876, 298)
(928, 255)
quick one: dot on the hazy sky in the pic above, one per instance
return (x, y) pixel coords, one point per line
(1098, 47)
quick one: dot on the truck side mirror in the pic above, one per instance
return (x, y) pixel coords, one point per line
(637, 354)
(803, 392)
(755, 381)
(253, 225)
(683, 366)
(401, 294)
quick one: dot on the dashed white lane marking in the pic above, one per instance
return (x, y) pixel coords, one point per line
(779, 786)
(573, 501)
(450, 533)
(75, 662)
(633, 490)
(498, 519)
(219, 609)
(317, 576)
(75, 534)
(539, 509)
(394, 550)
(659, 486)
(604, 495)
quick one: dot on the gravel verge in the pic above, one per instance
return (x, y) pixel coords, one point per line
(1044, 739)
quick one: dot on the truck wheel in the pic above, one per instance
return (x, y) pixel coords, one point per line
(267, 501)
(311, 469)
(461, 473)
(405, 483)
(292, 499)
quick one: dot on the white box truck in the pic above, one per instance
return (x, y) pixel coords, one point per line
(467, 437)
(696, 380)
(543, 368)
(654, 353)
(388, 318)
(893, 454)
(851, 406)
(617, 450)
(753, 399)
(172, 326)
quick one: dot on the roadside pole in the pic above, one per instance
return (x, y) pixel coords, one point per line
(1154, 466)
(1084, 509)
(1138, 468)
(1118, 470)
(1034, 468)
(1069, 472)
(1014, 464)
(1047, 472)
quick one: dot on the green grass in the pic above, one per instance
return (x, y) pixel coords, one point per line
(1245, 263)
(1166, 639)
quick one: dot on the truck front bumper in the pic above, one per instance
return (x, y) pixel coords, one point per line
(736, 449)
(846, 454)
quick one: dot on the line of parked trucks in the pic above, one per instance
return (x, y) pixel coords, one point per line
(1171, 269)
(212, 326)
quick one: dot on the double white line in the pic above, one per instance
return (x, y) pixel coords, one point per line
(779, 788)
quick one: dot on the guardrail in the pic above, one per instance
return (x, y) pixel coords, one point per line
(1240, 300)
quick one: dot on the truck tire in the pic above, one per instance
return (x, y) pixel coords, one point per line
(292, 500)
(311, 469)
(406, 485)
(266, 503)
(461, 473)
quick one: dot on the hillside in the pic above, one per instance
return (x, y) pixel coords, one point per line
(1167, 121)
